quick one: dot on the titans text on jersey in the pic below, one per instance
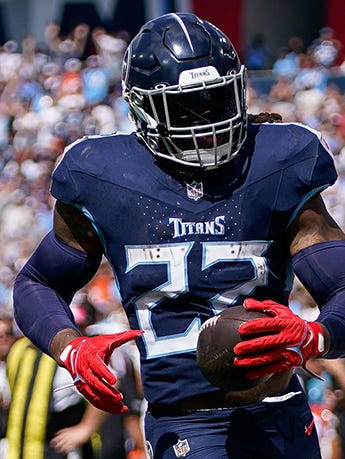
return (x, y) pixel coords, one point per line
(213, 227)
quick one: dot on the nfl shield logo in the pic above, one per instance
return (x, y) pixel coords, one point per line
(195, 190)
(181, 448)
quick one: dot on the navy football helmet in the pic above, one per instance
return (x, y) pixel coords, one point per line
(185, 88)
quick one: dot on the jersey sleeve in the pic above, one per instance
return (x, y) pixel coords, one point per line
(82, 162)
(64, 185)
(311, 172)
(85, 165)
(322, 172)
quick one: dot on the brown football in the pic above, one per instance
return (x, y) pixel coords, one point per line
(215, 356)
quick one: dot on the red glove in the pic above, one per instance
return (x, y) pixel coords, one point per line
(87, 359)
(290, 341)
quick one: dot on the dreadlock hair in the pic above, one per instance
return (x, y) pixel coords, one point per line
(264, 117)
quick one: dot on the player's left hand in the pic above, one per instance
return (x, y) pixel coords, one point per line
(286, 340)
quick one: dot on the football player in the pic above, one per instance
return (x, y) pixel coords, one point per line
(197, 211)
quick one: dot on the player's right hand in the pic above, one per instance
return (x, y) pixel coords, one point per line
(86, 358)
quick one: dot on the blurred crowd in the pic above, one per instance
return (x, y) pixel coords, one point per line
(303, 88)
(53, 93)
(50, 95)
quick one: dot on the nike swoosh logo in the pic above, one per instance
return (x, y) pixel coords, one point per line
(310, 339)
(308, 429)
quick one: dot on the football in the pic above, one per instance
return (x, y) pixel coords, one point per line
(215, 356)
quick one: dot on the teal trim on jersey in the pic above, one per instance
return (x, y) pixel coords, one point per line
(304, 200)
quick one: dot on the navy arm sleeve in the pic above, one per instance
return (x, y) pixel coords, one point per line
(321, 269)
(45, 286)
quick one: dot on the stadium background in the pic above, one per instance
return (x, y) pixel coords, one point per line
(240, 19)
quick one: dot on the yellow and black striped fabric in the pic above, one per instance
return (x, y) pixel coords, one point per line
(30, 374)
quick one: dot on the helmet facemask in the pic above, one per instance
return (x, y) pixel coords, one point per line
(198, 124)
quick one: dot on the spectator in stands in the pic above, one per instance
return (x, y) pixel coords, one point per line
(95, 81)
(110, 48)
(296, 45)
(37, 413)
(258, 56)
(286, 65)
(326, 49)
(52, 422)
(7, 338)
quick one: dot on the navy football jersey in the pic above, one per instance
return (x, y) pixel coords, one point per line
(185, 246)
